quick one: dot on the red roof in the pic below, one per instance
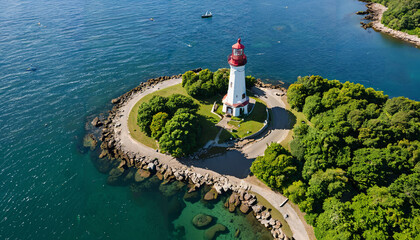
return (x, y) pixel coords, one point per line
(238, 45)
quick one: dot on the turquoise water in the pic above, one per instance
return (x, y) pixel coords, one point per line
(88, 52)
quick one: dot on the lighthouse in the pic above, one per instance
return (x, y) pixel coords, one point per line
(235, 102)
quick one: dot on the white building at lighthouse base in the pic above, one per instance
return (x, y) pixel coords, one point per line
(236, 101)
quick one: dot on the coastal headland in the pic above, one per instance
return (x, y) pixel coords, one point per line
(375, 12)
(118, 145)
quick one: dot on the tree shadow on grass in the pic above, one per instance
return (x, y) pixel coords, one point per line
(208, 130)
(211, 100)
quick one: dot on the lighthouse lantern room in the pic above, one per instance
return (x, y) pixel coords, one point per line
(235, 102)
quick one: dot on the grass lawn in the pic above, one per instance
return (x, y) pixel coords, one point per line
(251, 123)
(207, 119)
(295, 119)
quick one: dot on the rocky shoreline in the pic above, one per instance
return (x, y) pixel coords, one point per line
(129, 165)
(374, 13)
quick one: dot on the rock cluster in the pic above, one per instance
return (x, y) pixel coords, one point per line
(260, 83)
(264, 217)
(146, 167)
(96, 122)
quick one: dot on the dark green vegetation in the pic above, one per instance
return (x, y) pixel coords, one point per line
(206, 84)
(403, 15)
(172, 121)
(355, 171)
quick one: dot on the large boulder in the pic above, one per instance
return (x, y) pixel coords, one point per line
(103, 154)
(214, 231)
(244, 208)
(233, 202)
(159, 175)
(141, 175)
(211, 195)
(96, 122)
(202, 221)
(257, 208)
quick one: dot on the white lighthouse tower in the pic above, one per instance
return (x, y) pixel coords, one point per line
(235, 102)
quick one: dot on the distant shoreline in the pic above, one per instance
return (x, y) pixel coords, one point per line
(377, 10)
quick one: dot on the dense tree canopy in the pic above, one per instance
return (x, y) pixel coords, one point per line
(357, 163)
(180, 135)
(172, 121)
(275, 167)
(158, 122)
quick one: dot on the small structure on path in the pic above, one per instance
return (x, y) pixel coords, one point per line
(235, 102)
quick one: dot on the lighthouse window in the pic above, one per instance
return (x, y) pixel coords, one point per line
(230, 84)
(237, 52)
(243, 95)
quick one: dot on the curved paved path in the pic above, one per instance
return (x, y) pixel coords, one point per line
(277, 133)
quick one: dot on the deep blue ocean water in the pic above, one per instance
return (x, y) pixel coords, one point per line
(88, 52)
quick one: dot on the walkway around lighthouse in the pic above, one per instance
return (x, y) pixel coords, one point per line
(277, 132)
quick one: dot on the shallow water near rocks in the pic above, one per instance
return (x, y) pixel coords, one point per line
(249, 227)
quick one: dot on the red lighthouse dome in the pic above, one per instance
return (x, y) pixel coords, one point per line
(238, 57)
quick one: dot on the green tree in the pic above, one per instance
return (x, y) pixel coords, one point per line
(177, 101)
(200, 85)
(250, 81)
(407, 188)
(369, 168)
(221, 80)
(205, 75)
(147, 110)
(180, 135)
(158, 122)
(189, 78)
(377, 214)
(336, 221)
(296, 95)
(312, 106)
(277, 167)
(331, 183)
(296, 192)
